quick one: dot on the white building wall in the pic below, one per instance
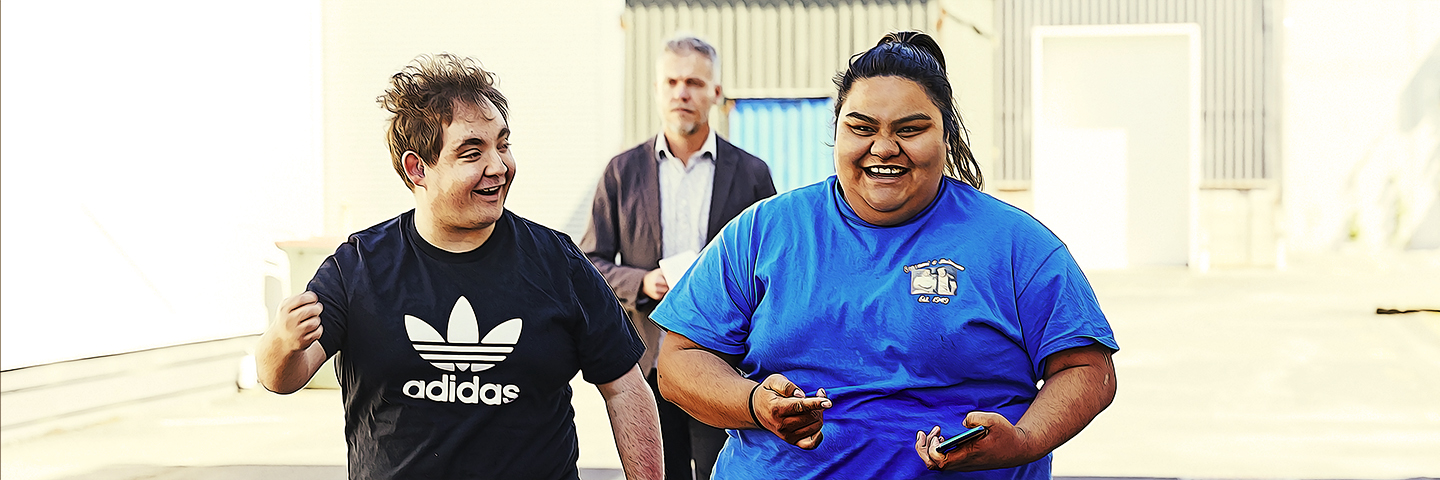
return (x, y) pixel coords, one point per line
(1346, 158)
(153, 152)
(966, 30)
(559, 63)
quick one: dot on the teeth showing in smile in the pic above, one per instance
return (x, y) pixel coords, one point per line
(886, 170)
(490, 191)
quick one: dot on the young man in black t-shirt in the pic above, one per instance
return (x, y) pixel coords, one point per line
(459, 325)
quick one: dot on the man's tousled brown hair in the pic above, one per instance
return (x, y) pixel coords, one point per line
(422, 100)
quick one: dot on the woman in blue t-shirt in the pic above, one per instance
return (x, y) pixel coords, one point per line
(900, 296)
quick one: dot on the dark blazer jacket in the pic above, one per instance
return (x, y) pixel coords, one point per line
(625, 220)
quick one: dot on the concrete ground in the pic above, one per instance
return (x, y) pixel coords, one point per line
(1257, 374)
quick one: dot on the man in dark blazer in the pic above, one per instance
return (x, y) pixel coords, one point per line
(669, 196)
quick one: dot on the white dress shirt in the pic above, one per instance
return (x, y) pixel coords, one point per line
(685, 196)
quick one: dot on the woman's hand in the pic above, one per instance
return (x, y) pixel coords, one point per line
(782, 408)
(1003, 446)
(1079, 384)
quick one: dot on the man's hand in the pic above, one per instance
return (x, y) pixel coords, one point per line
(654, 284)
(288, 354)
(782, 408)
(1003, 446)
(298, 324)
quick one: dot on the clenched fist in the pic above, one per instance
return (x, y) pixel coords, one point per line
(298, 324)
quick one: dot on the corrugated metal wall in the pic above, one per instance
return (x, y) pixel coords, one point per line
(1239, 140)
(768, 49)
(792, 135)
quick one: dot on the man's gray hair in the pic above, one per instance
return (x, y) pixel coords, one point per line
(685, 44)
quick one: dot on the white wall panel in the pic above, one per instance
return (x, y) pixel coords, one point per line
(153, 152)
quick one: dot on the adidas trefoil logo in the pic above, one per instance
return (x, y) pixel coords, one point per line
(464, 350)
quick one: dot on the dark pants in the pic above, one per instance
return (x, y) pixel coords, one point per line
(686, 439)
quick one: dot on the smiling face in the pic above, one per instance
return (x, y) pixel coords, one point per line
(889, 149)
(466, 188)
(685, 89)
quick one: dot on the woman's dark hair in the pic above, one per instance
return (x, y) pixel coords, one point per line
(915, 56)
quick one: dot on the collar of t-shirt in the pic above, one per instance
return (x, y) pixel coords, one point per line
(837, 196)
(500, 237)
(685, 190)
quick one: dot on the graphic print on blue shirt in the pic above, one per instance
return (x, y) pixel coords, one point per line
(933, 281)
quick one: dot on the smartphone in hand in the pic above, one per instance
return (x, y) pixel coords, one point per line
(949, 445)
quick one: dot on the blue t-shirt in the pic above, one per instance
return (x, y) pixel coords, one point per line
(458, 365)
(905, 327)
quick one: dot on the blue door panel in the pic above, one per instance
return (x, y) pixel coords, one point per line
(792, 135)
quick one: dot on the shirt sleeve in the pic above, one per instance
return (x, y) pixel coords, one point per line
(608, 345)
(329, 287)
(713, 303)
(601, 241)
(1058, 310)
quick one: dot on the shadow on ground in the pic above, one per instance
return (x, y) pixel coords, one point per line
(337, 472)
(266, 472)
(223, 472)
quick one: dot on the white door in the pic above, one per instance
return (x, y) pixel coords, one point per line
(1116, 153)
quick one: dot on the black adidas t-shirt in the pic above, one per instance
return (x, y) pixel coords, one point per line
(457, 365)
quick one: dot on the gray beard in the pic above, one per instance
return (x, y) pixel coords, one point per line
(685, 129)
